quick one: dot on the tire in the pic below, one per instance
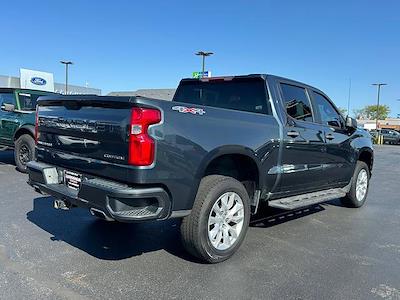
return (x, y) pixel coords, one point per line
(361, 176)
(24, 151)
(215, 191)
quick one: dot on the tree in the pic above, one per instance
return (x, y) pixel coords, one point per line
(372, 112)
(359, 113)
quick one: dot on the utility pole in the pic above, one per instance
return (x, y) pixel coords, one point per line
(348, 98)
(66, 63)
(378, 85)
(203, 54)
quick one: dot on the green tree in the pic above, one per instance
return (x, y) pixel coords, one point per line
(372, 112)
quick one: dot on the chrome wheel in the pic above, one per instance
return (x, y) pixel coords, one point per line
(225, 221)
(361, 185)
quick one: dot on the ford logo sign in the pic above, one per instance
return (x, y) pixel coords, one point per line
(38, 81)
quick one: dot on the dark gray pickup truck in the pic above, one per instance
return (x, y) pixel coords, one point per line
(211, 156)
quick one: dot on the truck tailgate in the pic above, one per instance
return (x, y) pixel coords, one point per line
(84, 134)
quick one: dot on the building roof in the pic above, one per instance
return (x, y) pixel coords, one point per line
(163, 94)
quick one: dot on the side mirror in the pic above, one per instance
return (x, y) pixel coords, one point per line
(351, 122)
(8, 107)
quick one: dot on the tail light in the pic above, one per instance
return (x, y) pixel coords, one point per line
(141, 145)
(37, 125)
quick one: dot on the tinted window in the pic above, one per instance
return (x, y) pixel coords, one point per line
(7, 98)
(239, 94)
(329, 115)
(296, 102)
(27, 101)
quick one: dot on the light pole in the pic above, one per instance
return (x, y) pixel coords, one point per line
(378, 85)
(66, 63)
(203, 54)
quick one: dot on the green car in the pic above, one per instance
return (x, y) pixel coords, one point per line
(17, 122)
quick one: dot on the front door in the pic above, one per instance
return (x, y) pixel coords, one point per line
(301, 166)
(339, 159)
(8, 119)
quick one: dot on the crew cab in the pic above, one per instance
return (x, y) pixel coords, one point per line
(17, 122)
(210, 156)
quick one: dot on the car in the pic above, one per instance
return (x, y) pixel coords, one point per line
(390, 136)
(210, 157)
(17, 122)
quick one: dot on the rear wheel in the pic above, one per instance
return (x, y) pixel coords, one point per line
(24, 151)
(359, 186)
(219, 220)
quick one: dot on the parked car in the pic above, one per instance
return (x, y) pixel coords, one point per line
(390, 136)
(210, 156)
(17, 122)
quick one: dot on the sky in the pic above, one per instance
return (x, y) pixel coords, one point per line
(128, 45)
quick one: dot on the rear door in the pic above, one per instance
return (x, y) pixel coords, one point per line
(303, 143)
(338, 160)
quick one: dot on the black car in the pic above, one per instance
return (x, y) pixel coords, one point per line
(210, 157)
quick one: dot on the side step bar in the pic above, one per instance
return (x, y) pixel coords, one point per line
(295, 202)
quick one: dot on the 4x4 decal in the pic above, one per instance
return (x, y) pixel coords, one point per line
(192, 110)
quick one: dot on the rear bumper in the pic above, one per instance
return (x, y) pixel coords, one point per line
(117, 201)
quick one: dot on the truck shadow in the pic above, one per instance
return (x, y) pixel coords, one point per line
(7, 157)
(117, 241)
(106, 240)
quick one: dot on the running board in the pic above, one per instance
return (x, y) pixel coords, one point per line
(295, 202)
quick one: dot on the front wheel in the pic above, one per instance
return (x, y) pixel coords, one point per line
(219, 220)
(24, 151)
(359, 186)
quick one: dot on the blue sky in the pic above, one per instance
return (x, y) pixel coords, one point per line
(127, 45)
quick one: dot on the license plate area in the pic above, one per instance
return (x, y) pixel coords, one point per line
(72, 180)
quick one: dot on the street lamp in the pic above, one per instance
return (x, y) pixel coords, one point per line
(378, 85)
(203, 54)
(66, 63)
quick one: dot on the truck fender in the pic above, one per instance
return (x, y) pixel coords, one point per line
(24, 129)
(229, 150)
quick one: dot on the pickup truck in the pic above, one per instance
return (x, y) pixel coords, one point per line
(211, 156)
(17, 122)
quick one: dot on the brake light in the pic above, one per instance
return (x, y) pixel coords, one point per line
(141, 145)
(37, 125)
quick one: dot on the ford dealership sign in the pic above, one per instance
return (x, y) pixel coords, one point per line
(36, 80)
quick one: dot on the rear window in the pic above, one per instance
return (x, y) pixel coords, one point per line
(238, 94)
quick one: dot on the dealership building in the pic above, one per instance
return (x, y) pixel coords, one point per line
(37, 80)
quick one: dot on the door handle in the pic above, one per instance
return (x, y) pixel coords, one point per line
(329, 136)
(293, 134)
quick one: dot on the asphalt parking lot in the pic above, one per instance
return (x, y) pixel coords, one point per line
(324, 252)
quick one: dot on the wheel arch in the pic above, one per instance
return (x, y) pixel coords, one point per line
(366, 155)
(25, 129)
(229, 160)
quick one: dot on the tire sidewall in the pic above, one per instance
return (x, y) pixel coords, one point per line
(360, 166)
(29, 142)
(228, 185)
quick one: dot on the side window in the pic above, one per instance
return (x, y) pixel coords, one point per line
(7, 98)
(297, 103)
(329, 115)
(27, 101)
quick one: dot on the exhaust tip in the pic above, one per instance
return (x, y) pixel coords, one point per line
(100, 214)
